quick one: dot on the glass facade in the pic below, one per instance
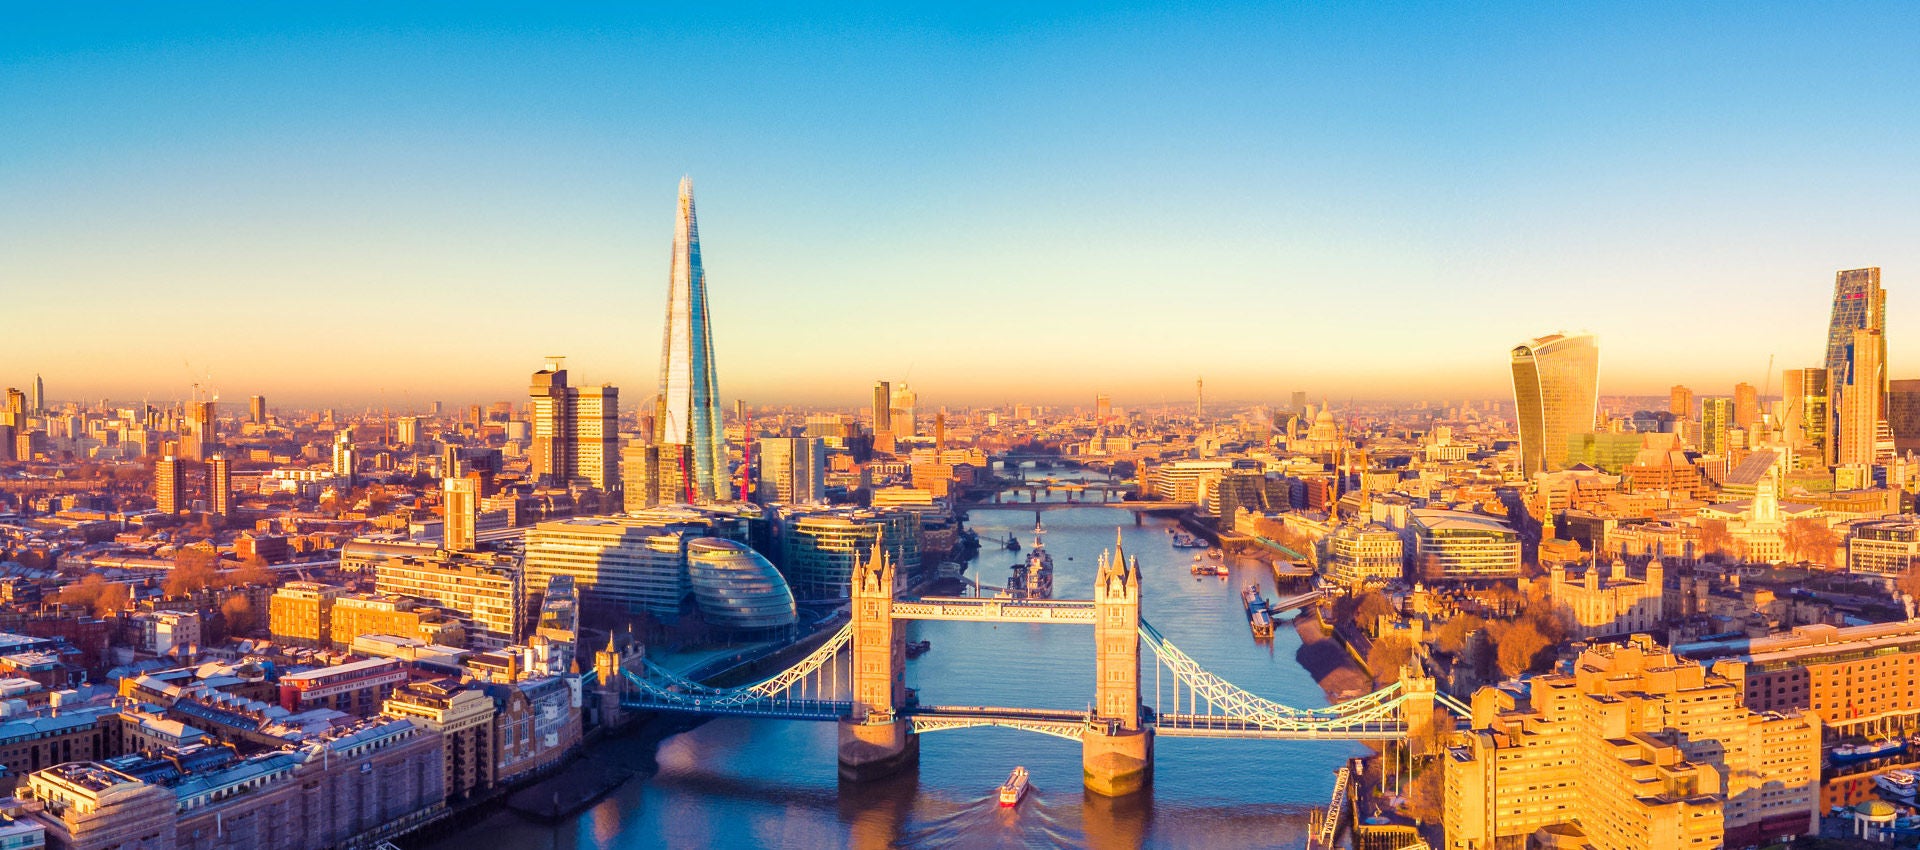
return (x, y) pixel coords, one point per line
(612, 562)
(738, 590)
(689, 387)
(819, 550)
(1556, 394)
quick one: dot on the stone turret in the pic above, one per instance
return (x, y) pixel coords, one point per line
(873, 742)
(1116, 750)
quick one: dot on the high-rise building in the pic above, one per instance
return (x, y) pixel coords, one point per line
(39, 395)
(905, 417)
(1102, 408)
(169, 485)
(1716, 426)
(1746, 405)
(1806, 413)
(343, 455)
(1862, 396)
(1680, 402)
(16, 408)
(1903, 414)
(689, 385)
(202, 433)
(596, 436)
(460, 502)
(1859, 304)
(220, 485)
(1298, 405)
(793, 470)
(406, 431)
(576, 430)
(257, 409)
(551, 452)
(1556, 392)
(882, 407)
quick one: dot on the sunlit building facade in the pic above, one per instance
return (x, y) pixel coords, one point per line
(1556, 381)
(689, 411)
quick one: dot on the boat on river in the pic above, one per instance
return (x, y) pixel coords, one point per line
(1850, 753)
(1898, 782)
(1014, 788)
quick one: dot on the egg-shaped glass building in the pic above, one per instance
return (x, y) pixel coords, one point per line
(739, 591)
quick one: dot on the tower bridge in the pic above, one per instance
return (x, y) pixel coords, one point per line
(856, 678)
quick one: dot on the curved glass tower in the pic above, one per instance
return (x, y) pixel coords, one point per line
(1556, 394)
(689, 415)
(737, 589)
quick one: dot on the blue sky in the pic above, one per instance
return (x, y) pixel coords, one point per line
(354, 202)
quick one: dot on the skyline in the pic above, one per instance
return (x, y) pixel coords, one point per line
(962, 202)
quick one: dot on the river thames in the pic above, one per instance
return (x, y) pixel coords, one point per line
(769, 783)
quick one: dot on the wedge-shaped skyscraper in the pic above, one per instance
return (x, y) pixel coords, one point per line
(688, 420)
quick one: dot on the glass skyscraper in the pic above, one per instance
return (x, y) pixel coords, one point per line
(1859, 304)
(1556, 394)
(689, 413)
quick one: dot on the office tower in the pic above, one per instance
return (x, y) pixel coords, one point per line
(596, 436)
(6, 439)
(257, 409)
(1806, 413)
(39, 395)
(576, 430)
(406, 430)
(1102, 409)
(1199, 386)
(904, 415)
(433, 409)
(689, 385)
(551, 452)
(1556, 394)
(169, 484)
(1299, 405)
(793, 470)
(640, 476)
(1861, 400)
(16, 408)
(1903, 414)
(1680, 402)
(1746, 405)
(1858, 304)
(460, 502)
(220, 485)
(1716, 425)
(343, 455)
(202, 431)
(882, 407)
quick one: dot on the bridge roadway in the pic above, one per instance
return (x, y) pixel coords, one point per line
(1137, 506)
(1225, 726)
(995, 610)
(1059, 723)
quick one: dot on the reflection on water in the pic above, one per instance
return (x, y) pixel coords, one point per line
(758, 783)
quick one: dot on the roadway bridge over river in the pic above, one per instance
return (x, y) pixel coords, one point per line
(880, 725)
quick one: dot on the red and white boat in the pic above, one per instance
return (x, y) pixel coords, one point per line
(1014, 788)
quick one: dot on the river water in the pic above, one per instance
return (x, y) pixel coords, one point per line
(768, 783)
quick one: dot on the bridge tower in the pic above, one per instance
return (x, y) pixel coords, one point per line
(609, 683)
(873, 743)
(1116, 751)
(1416, 707)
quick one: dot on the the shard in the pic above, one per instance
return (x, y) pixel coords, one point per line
(689, 416)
